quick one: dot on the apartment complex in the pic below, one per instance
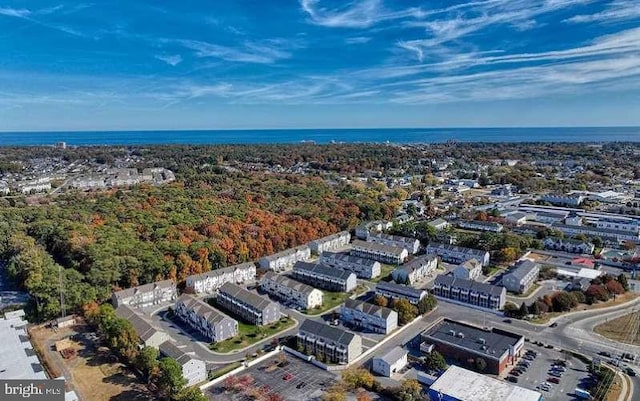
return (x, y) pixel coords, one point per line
(469, 270)
(380, 252)
(368, 317)
(522, 277)
(330, 243)
(146, 295)
(281, 287)
(612, 236)
(247, 305)
(399, 291)
(194, 370)
(365, 229)
(568, 245)
(415, 270)
(562, 200)
(328, 278)
(328, 344)
(208, 321)
(285, 260)
(209, 282)
(362, 267)
(148, 335)
(470, 292)
(18, 359)
(477, 225)
(412, 245)
(463, 342)
(458, 254)
(630, 225)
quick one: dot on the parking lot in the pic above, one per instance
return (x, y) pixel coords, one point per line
(539, 372)
(305, 381)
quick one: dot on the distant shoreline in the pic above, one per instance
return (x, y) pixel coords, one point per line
(324, 136)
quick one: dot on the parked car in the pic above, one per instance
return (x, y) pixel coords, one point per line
(507, 320)
(553, 380)
(512, 379)
(630, 372)
(556, 374)
(515, 373)
(554, 324)
(287, 377)
(605, 354)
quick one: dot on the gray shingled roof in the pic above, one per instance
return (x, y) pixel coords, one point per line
(608, 231)
(376, 246)
(322, 270)
(201, 308)
(350, 258)
(417, 263)
(477, 286)
(171, 350)
(327, 332)
(329, 237)
(394, 355)
(399, 288)
(286, 252)
(247, 297)
(368, 308)
(143, 328)
(523, 268)
(289, 282)
(224, 270)
(471, 251)
(143, 288)
(395, 238)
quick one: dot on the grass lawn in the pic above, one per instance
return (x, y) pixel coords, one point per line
(333, 299)
(385, 271)
(533, 289)
(492, 270)
(618, 329)
(249, 334)
(217, 373)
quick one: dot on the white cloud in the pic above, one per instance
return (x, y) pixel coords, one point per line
(265, 52)
(618, 10)
(172, 60)
(357, 14)
(356, 40)
(15, 12)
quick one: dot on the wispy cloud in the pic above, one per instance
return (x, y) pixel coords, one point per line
(356, 40)
(15, 12)
(263, 52)
(172, 60)
(357, 14)
(616, 11)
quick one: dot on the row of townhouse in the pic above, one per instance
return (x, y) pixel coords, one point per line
(458, 254)
(412, 245)
(563, 200)
(469, 270)
(208, 321)
(362, 267)
(146, 295)
(148, 335)
(478, 225)
(368, 317)
(285, 260)
(209, 282)
(470, 292)
(630, 225)
(522, 277)
(568, 245)
(327, 278)
(327, 343)
(194, 370)
(365, 229)
(612, 236)
(415, 270)
(398, 291)
(248, 306)
(284, 288)
(330, 243)
(379, 252)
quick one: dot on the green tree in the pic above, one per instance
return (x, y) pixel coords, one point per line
(435, 361)
(622, 279)
(170, 380)
(409, 390)
(534, 308)
(510, 309)
(380, 300)
(406, 311)
(524, 311)
(563, 302)
(147, 361)
(191, 394)
(427, 304)
(357, 377)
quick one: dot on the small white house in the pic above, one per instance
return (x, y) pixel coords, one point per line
(390, 363)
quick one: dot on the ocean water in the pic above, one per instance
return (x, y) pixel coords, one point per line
(395, 135)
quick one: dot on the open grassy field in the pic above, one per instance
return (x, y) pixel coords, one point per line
(333, 299)
(249, 334)
(618, 329)
(385, 271)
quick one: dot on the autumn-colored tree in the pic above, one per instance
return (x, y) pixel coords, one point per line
(357, 377)
(380, 300)
(362, 395)
(406, 311)
(615, 287)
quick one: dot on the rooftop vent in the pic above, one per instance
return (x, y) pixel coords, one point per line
(452, 332)
(461, 334)
(482, 341)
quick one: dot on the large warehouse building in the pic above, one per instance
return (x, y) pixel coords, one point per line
(458, 384)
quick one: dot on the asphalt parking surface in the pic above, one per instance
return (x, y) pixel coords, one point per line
(538, 372)
(315, 380)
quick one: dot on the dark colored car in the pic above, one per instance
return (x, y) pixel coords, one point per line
(605, 354)
(553, 380)
(630, 372)
(512, 379)
(287, 377)
(507, 320)
(554, 324)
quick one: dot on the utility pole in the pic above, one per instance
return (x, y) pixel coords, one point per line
(62, 308)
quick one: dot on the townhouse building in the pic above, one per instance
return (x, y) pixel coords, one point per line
(362, 267)
(194, 370)
(285, 260)
(379, 252)
(439, 224)
(208, 321)
(632, 226)
(415, 270)
(209, 282)
(399, 291)
(368, 317)
(469, 270)
(607, 235)
(330, 243)
(522, 277)
(457, 254)
(146, 295)
(285, 288)
(568, 245)
(148, 335)
(477, 225)
(248, 306)
(562, 200)
(328, 344)
(327, 278)
(412, 245)
(365, 229)
(470, 292)
(550, 216)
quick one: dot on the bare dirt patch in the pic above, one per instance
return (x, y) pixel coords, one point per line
(618, 329)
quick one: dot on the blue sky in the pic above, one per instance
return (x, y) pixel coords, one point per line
(318, 63)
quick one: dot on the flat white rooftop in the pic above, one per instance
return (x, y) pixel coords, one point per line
(18, 360)
(465, 385)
